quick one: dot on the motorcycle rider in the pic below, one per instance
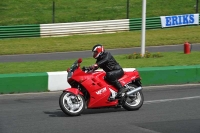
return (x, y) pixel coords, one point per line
(112, 68)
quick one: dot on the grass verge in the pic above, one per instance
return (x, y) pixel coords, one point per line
(168, 59)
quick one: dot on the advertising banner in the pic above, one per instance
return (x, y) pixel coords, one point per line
(179, 20)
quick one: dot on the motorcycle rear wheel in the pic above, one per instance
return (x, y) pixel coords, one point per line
(135, 102)
(71, 104)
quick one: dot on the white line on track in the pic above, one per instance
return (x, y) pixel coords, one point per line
(169, 100)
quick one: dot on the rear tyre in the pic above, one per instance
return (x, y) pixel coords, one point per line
(133, 102)
(71, 104)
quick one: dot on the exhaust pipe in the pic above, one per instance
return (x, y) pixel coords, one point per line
(134, 91)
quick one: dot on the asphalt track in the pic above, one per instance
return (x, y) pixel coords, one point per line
(84, 54)
(167, 109)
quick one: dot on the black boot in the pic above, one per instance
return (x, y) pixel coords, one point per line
(120, 88)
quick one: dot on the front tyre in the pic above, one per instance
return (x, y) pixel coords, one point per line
(71, 104)
(133, 102)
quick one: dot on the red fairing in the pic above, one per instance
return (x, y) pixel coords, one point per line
(129, 76)
(74, 91)
(98, 90)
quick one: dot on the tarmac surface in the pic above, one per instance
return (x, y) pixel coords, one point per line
(84, 54)
(166, 109)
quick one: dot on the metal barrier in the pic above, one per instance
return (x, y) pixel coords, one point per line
(20, 31)
(151, 23)
(84, 27)
(91, 27)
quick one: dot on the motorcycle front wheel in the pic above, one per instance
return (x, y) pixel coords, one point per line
(133, 102)
(71, 104)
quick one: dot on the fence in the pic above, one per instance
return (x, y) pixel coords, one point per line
(60, 29)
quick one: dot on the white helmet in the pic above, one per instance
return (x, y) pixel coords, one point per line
(97, 50)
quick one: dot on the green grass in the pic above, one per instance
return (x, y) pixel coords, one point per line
(168, 59)
(169, 36)
(18, 12)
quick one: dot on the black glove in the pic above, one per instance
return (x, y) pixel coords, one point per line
(93, 67)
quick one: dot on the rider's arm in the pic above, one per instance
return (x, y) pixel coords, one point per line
(105, 59)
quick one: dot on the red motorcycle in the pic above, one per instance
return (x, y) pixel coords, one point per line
(90, 90)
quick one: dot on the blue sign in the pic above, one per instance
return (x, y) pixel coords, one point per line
(178, 20)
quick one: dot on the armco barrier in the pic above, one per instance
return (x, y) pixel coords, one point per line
(90, 27)
(17, 31)
(55, 81)
(60, 29)
(151, 23)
